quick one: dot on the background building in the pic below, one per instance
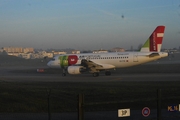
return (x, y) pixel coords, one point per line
(18, 50)
(76, 52)
(28, 50)
(117, 49)
(100, 51)
(13, 49)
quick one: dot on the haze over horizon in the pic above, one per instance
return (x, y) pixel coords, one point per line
(87, 25)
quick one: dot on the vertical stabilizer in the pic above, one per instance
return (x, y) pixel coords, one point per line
(154, 42)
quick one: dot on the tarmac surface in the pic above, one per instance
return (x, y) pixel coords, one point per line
(29, 74)
(138, 73)
(165, 70)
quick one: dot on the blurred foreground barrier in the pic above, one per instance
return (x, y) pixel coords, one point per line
(81, 107)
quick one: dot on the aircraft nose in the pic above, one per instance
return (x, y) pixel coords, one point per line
(49, 64)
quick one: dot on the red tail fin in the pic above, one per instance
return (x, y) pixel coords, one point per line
(153, 44)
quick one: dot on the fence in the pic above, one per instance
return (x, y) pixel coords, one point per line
(171, 111)
(55, 104)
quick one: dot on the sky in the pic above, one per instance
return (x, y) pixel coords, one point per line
(87, 24)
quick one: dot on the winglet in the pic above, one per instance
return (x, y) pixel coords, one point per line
(154, 42)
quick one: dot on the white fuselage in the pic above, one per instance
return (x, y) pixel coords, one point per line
(113, 60)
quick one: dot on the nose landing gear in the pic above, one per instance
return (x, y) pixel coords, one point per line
(64, 72)
(95, 74)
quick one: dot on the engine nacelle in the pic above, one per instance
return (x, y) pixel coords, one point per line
(74, 69)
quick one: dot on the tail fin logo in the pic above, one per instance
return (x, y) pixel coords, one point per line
(154, 42)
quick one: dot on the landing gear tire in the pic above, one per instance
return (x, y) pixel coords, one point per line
(96, 74)
(107, 73)
(64, 74)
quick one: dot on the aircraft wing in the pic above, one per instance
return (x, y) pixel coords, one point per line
(90, 64)
(95, 67)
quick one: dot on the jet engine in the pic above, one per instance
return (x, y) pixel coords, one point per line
(75, 69)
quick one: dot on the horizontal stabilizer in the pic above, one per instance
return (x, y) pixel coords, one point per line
(153, 54)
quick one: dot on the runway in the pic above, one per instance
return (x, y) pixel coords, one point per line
(18, 75)
(90, 83)
(135, 83)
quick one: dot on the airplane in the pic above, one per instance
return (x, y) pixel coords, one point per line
(96, 62)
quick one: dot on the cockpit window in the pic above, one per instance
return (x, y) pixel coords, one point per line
(53, 59)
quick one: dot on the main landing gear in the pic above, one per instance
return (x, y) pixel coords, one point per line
(63, 74)
(96, 74)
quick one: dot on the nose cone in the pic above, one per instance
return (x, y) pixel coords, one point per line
(49, 64)
(53, 64)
